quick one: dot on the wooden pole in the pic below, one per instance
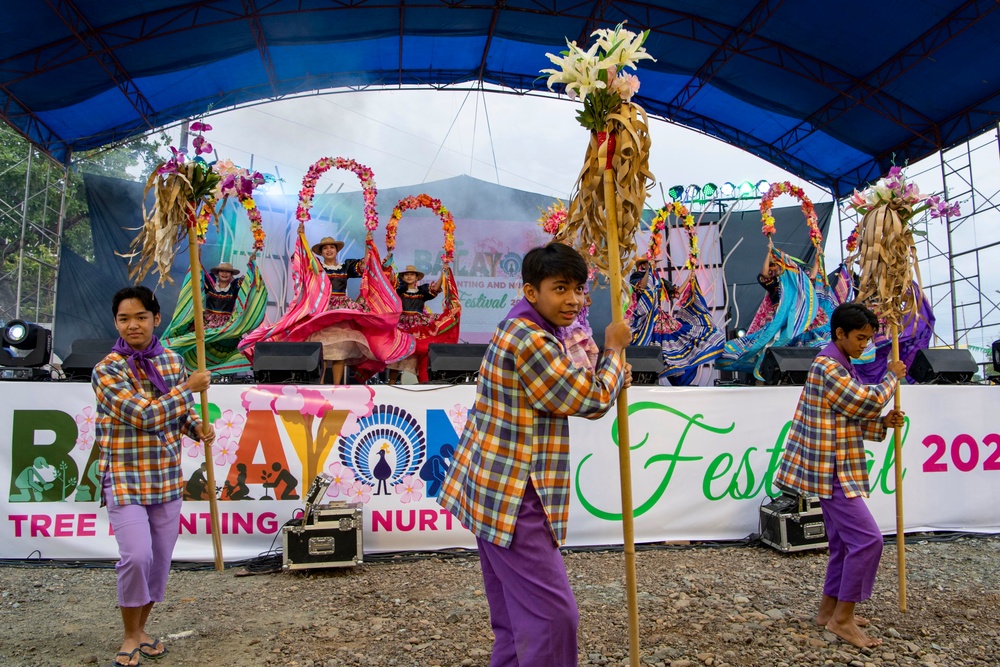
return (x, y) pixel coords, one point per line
(199, 332)
(624, 452)
(898, 466)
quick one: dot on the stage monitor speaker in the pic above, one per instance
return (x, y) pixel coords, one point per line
(996, 356)
(647, 364)
(943, 366)
(288, 363)
(787, 365)
(84, 354)
(455, 363)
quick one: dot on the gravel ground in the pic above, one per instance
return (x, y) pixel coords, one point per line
(714, 606)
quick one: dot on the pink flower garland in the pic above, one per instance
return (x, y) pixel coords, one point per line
(422, 201)
(767, 202)
(658, 225)
(364, 174)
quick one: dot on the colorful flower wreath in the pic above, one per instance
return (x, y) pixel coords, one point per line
(767, 202)
(422, 201)
(553, 218)
(659, 224)
(364, 174)
(240, 183)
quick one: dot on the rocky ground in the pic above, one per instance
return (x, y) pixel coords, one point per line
(713, 606)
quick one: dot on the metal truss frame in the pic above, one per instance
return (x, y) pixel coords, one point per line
(39, 211)
(958, 257)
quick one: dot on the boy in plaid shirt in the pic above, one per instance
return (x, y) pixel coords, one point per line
(825, 457)
(144, 406)
(509, 482)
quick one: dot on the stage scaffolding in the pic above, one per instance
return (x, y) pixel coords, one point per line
(36, 210)
(959, 258)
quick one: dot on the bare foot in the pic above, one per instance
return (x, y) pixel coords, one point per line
(860, 621)
(852, 634)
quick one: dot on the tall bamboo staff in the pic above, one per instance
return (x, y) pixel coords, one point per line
(184, 200)
(606, 209)
(882, 247)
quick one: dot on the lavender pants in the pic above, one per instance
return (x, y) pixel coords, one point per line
(146, 535)
(855, 546)
(532, 608)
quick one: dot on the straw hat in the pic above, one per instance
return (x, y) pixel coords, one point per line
(327, 240)
(412, 269)
(224, 266)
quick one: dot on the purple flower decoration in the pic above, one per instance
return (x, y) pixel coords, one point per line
(199, 126)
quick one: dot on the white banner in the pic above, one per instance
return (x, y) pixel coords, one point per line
(702, 463)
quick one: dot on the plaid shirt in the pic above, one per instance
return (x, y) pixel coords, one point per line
(518, 428)
(836, 413)
(139, 431)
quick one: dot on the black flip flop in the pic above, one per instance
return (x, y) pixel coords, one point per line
(130, 656)
(152, 646)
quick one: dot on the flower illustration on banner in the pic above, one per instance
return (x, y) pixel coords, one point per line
(361, 492)
(194, 448)
(85, 441)
(86, 420)
(229, 425)
(409, 489)
(458, 414)
(343, 480)
(225, 451)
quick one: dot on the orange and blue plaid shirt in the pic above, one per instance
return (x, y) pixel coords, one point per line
(835, 414)
(139, 431)
(518, 430)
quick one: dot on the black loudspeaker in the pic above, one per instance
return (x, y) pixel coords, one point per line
(84, 354)
(996, 356)
(943, 366)
(787, 365)
(647, 364)
(288, 363)
(455, 364)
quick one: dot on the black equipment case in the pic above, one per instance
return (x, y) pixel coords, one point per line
(328, 535)
(793, 523)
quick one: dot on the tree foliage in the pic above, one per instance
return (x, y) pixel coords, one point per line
(131, 160)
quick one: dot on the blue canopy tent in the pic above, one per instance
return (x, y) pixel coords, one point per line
(830, 91)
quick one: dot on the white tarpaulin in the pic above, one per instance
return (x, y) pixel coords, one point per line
(702, 463)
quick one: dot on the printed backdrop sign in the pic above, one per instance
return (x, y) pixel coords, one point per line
(703, 461)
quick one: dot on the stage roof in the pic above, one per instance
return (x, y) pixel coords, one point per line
(830, 91)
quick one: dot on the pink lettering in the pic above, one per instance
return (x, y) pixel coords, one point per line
(64, 525)
(85, 525)
(18, 519)
(40, 524)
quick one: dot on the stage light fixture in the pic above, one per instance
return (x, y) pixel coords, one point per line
(676, 192)
(727, 191)
(746, 190)
(740, 333)
(25, 345)
(762, 187)
(709, 189)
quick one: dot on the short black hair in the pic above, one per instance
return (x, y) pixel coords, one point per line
(139, 292)
(553, 260)
(851, 316)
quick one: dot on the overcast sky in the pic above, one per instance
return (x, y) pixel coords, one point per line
(409, 137)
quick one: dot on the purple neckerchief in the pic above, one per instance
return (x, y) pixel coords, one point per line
(834, 352)
(524, 310)
(144, 359)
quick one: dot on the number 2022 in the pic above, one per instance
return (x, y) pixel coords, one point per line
(964, 453)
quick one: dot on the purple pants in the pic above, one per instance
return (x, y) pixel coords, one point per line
(855, 546)
(532, 608)
(146, 535)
